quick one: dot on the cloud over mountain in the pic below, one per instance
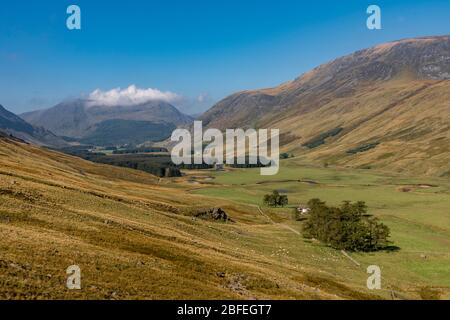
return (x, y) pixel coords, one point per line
(130, 96)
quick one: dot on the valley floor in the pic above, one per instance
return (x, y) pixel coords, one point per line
(133, 235)
(417, 210)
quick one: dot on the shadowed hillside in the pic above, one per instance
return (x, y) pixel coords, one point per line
(14, 125)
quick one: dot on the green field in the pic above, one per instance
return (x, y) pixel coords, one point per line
(122, 226)
(417, 210)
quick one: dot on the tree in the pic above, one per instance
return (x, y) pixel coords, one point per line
(345, 227)
(282, 200)
(269, 200)
(275, 199)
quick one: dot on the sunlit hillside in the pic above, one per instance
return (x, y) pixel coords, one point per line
(135, 236)
(386, 107)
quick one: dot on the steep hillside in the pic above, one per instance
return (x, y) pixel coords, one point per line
(133, 237)
(79, 118)
(13, 125)
(383, 107)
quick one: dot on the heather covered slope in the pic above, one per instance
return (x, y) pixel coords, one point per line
(385, 107)
(131, 237)
(395, 126)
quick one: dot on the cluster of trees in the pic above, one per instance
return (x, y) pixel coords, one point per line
(320, 139)
(249, 162)
(275, 199)
(158, 165)
(345, 227)
(140, 150)
(194, 166)
(363, 148)
(158, 170)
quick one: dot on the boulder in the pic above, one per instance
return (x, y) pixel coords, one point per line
(216, 214)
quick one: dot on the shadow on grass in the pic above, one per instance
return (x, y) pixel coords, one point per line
(390, 248)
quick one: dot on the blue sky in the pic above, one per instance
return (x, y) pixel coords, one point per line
(192, 48)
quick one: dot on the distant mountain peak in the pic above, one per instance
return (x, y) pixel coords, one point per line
(423, 58)
(76, 118)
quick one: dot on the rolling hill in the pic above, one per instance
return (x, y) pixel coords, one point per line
(386, 107)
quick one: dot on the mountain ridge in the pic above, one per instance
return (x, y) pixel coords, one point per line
(12, 124)
(78, 118)
(363, 93)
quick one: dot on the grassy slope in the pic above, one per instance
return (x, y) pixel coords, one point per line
(409, 119)
(124, 229)
(381, 96)
(419, 219)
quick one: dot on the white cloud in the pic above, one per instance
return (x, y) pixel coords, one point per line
(203, 97)
(130, 96)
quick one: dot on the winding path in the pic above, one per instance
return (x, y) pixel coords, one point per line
(278, 224)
